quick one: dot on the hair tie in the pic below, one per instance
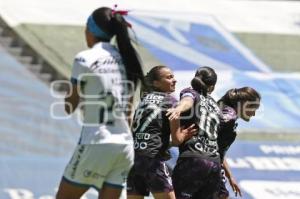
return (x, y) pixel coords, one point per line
(120, 12)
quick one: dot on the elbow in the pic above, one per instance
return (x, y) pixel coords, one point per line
(71, 101)
(175, 143)
(188, 106)
(68, 109)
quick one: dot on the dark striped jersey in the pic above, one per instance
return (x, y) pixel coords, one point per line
(227, 130)
(205, 115)
(151, 128)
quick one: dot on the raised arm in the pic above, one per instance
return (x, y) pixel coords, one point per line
(185, 104)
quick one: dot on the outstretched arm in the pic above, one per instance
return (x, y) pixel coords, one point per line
(234, 185)
(185, 104)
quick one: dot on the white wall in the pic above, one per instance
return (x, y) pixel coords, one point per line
(237, 16)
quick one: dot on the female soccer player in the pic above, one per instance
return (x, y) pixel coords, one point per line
(104, 154)
(236, 103)
(198, 167)
(151, 131)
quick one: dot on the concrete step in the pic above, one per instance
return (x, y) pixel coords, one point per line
(27, 56)
(6, 32)
(46, 77)
(27, 60)
(35, 68)
(63, 87)
(27, 51)
(6, 41)
(16, 51)
(47, 68)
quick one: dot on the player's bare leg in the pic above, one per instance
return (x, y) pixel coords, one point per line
(135, 197)
(170, 195)
(67, 191)
(110, 193)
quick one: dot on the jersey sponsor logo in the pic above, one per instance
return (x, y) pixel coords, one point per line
(100, 66)
(107, 70)
(154, 99)
(205, 145)
(186, 194)
(140, 145)
(76, 160)
(91, 174)
(144, 136)
(80, 60)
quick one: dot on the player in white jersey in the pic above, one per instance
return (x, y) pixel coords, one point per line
(101, 77)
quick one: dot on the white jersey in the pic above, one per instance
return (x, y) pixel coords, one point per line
(104, 91)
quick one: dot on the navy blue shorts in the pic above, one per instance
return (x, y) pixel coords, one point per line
(149, 175)
(196, 178)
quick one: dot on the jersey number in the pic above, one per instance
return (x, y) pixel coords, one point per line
(209, 123)
(139, 114)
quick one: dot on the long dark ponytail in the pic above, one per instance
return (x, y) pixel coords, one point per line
(114, 24)
(204, 78)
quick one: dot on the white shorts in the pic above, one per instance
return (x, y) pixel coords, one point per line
(95, 165)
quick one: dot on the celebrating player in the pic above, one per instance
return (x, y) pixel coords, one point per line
(197, 170)
(236, 103)
(151, 131)
(104, 154)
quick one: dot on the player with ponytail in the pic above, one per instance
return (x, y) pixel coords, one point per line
(100, 79)
(236, 103)
(197, 170)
